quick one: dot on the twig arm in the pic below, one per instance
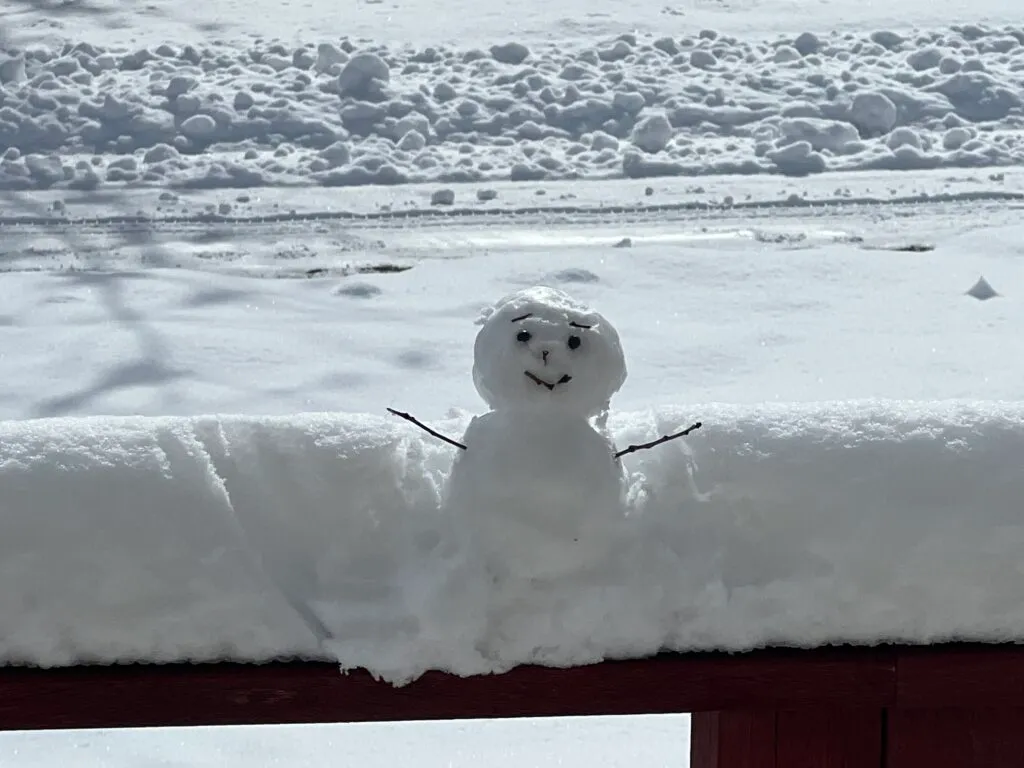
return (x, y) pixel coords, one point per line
(659, 441)
(425, 428)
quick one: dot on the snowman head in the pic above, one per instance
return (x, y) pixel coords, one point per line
(541, 349)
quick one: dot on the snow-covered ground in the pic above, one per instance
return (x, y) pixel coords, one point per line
(189, 226)
(658, 741)
(741, 303)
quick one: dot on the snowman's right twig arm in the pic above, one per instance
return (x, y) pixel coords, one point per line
(425, 428)
(659, 441)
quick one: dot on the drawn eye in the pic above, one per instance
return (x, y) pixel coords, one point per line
(574, 342)
(524, 336)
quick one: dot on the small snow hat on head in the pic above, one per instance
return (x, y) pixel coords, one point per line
(539, 348)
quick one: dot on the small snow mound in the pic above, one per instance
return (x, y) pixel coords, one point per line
(442, 197)
(949, 65)
(510, 53)
(329, 57)
(652, 134)
(797, 159)
(628, 102)
(412, 141)
(785, 53)
(955, 138)
(873, 113)
(363, 76)
(358, 290)
(982, 290)
(638, 165)
(925, 58)
(830, 135)
(577, 275)
(337, 154)
(160, 153)
(617, 52)
(807, 43)
(903, 137)
(601, 141)
(702, 59)
(199, 127)
(666, 45)
(887, 39)
(978, 96)
(12, 70)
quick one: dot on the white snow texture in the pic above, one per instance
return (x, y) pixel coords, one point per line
(181, 538)
(80, 114)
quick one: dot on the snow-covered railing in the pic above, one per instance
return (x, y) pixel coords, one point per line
(325, 538)
(234, 538)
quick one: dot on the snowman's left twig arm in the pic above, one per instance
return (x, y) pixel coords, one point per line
(659, 441)
(425, 428)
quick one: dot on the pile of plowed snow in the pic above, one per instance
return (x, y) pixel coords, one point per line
(338, 114)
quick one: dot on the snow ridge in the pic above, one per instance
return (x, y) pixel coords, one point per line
(334, 114)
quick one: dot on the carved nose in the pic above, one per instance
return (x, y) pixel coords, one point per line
(544, 356)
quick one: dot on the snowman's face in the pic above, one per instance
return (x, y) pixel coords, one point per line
(541, 349)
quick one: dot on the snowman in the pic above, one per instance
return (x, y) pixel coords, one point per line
(538, 493)
(537, 498)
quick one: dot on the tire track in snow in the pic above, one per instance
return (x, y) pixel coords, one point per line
(793, 202)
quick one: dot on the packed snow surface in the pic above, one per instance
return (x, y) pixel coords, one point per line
(787, 294)
(211, 113)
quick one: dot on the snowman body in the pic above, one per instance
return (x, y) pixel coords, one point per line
(538, 493)
(539, 496)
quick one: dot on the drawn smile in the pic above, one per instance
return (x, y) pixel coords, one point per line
(541, 383)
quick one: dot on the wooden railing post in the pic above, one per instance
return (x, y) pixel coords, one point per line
(732, 739)
(829, 737)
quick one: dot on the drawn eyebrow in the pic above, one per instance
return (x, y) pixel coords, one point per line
(580, 325)
(522, 317)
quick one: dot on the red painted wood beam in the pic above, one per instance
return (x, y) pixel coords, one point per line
(955, 675)
(964, 737)
(219, 694)
(818, 737)
(967, 675)
(953, 706)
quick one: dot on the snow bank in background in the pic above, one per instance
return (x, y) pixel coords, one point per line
(82, 116)
(196, 538)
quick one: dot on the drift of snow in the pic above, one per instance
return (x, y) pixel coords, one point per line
(174, 539)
